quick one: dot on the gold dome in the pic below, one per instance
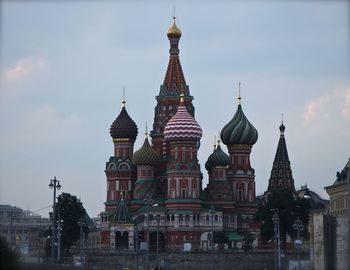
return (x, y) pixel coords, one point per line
(174, 31)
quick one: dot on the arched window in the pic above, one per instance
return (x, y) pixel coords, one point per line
(207, 217)
(181, 217)
(187, 218)
(216, 218)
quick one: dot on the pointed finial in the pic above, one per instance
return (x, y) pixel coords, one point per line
(219, 138)
(282, 127)
(174, 13)
(146, 132)
(239, 93)
(214, 142)
(182, 100)
(123, 100)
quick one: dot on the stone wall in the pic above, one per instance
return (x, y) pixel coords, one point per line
(192, 260)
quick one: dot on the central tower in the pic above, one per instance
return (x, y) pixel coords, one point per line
(168, 99)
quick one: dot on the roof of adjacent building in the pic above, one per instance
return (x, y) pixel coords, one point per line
(342, 175)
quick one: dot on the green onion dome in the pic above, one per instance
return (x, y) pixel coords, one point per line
(146, 155)
(217, 158)
(239, 130)
(123, 126)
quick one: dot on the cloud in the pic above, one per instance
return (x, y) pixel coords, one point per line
(24, 68)
(44, 126)
(334, 104)
(313, 107)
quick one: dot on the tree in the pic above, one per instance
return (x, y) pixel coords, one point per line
(71, 212)
(289, 208)
(9, 259)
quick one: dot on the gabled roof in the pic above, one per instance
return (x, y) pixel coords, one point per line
(121, 214)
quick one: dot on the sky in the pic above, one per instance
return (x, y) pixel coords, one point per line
(63, 65)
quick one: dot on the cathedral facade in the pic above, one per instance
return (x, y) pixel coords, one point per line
(155, 195)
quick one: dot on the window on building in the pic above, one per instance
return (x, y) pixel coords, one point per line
(181, 217)
(183, 193)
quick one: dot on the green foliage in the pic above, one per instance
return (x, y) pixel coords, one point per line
(289, 208)
(9, 259)
(220, 238)
(71, 212)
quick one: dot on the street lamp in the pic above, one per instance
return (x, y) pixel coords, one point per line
(212, 212)
(276, 221)
(157, 250)
(54, 184)
(298, 226)
(148, 201)
(82, 223)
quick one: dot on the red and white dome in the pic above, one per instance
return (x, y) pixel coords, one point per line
(182, 125)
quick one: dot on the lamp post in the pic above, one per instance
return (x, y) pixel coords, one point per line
(211, 212)
(82, 241)
(54, 184)
(157, 250)
(276, 221)
(148, 201)
(298, 226)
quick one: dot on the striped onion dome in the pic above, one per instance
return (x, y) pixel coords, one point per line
(217, 158)
(146, 155)
(239, 130)
(182, 125)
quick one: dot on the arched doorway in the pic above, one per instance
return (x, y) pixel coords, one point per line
(153, 241)
(121, 240)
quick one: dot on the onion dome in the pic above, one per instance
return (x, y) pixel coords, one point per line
(239, 130)
(217, 158)
(174, 31)
(146, 155)
(123, 126)
(182, 126)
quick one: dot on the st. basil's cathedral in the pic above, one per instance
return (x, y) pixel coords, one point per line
(156, 192)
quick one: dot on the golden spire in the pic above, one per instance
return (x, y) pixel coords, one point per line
(214, 142)
(174, 31)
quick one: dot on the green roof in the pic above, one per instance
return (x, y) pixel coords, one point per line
(233, 236)
(121, 215)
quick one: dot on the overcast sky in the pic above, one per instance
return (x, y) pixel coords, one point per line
(63, 67)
